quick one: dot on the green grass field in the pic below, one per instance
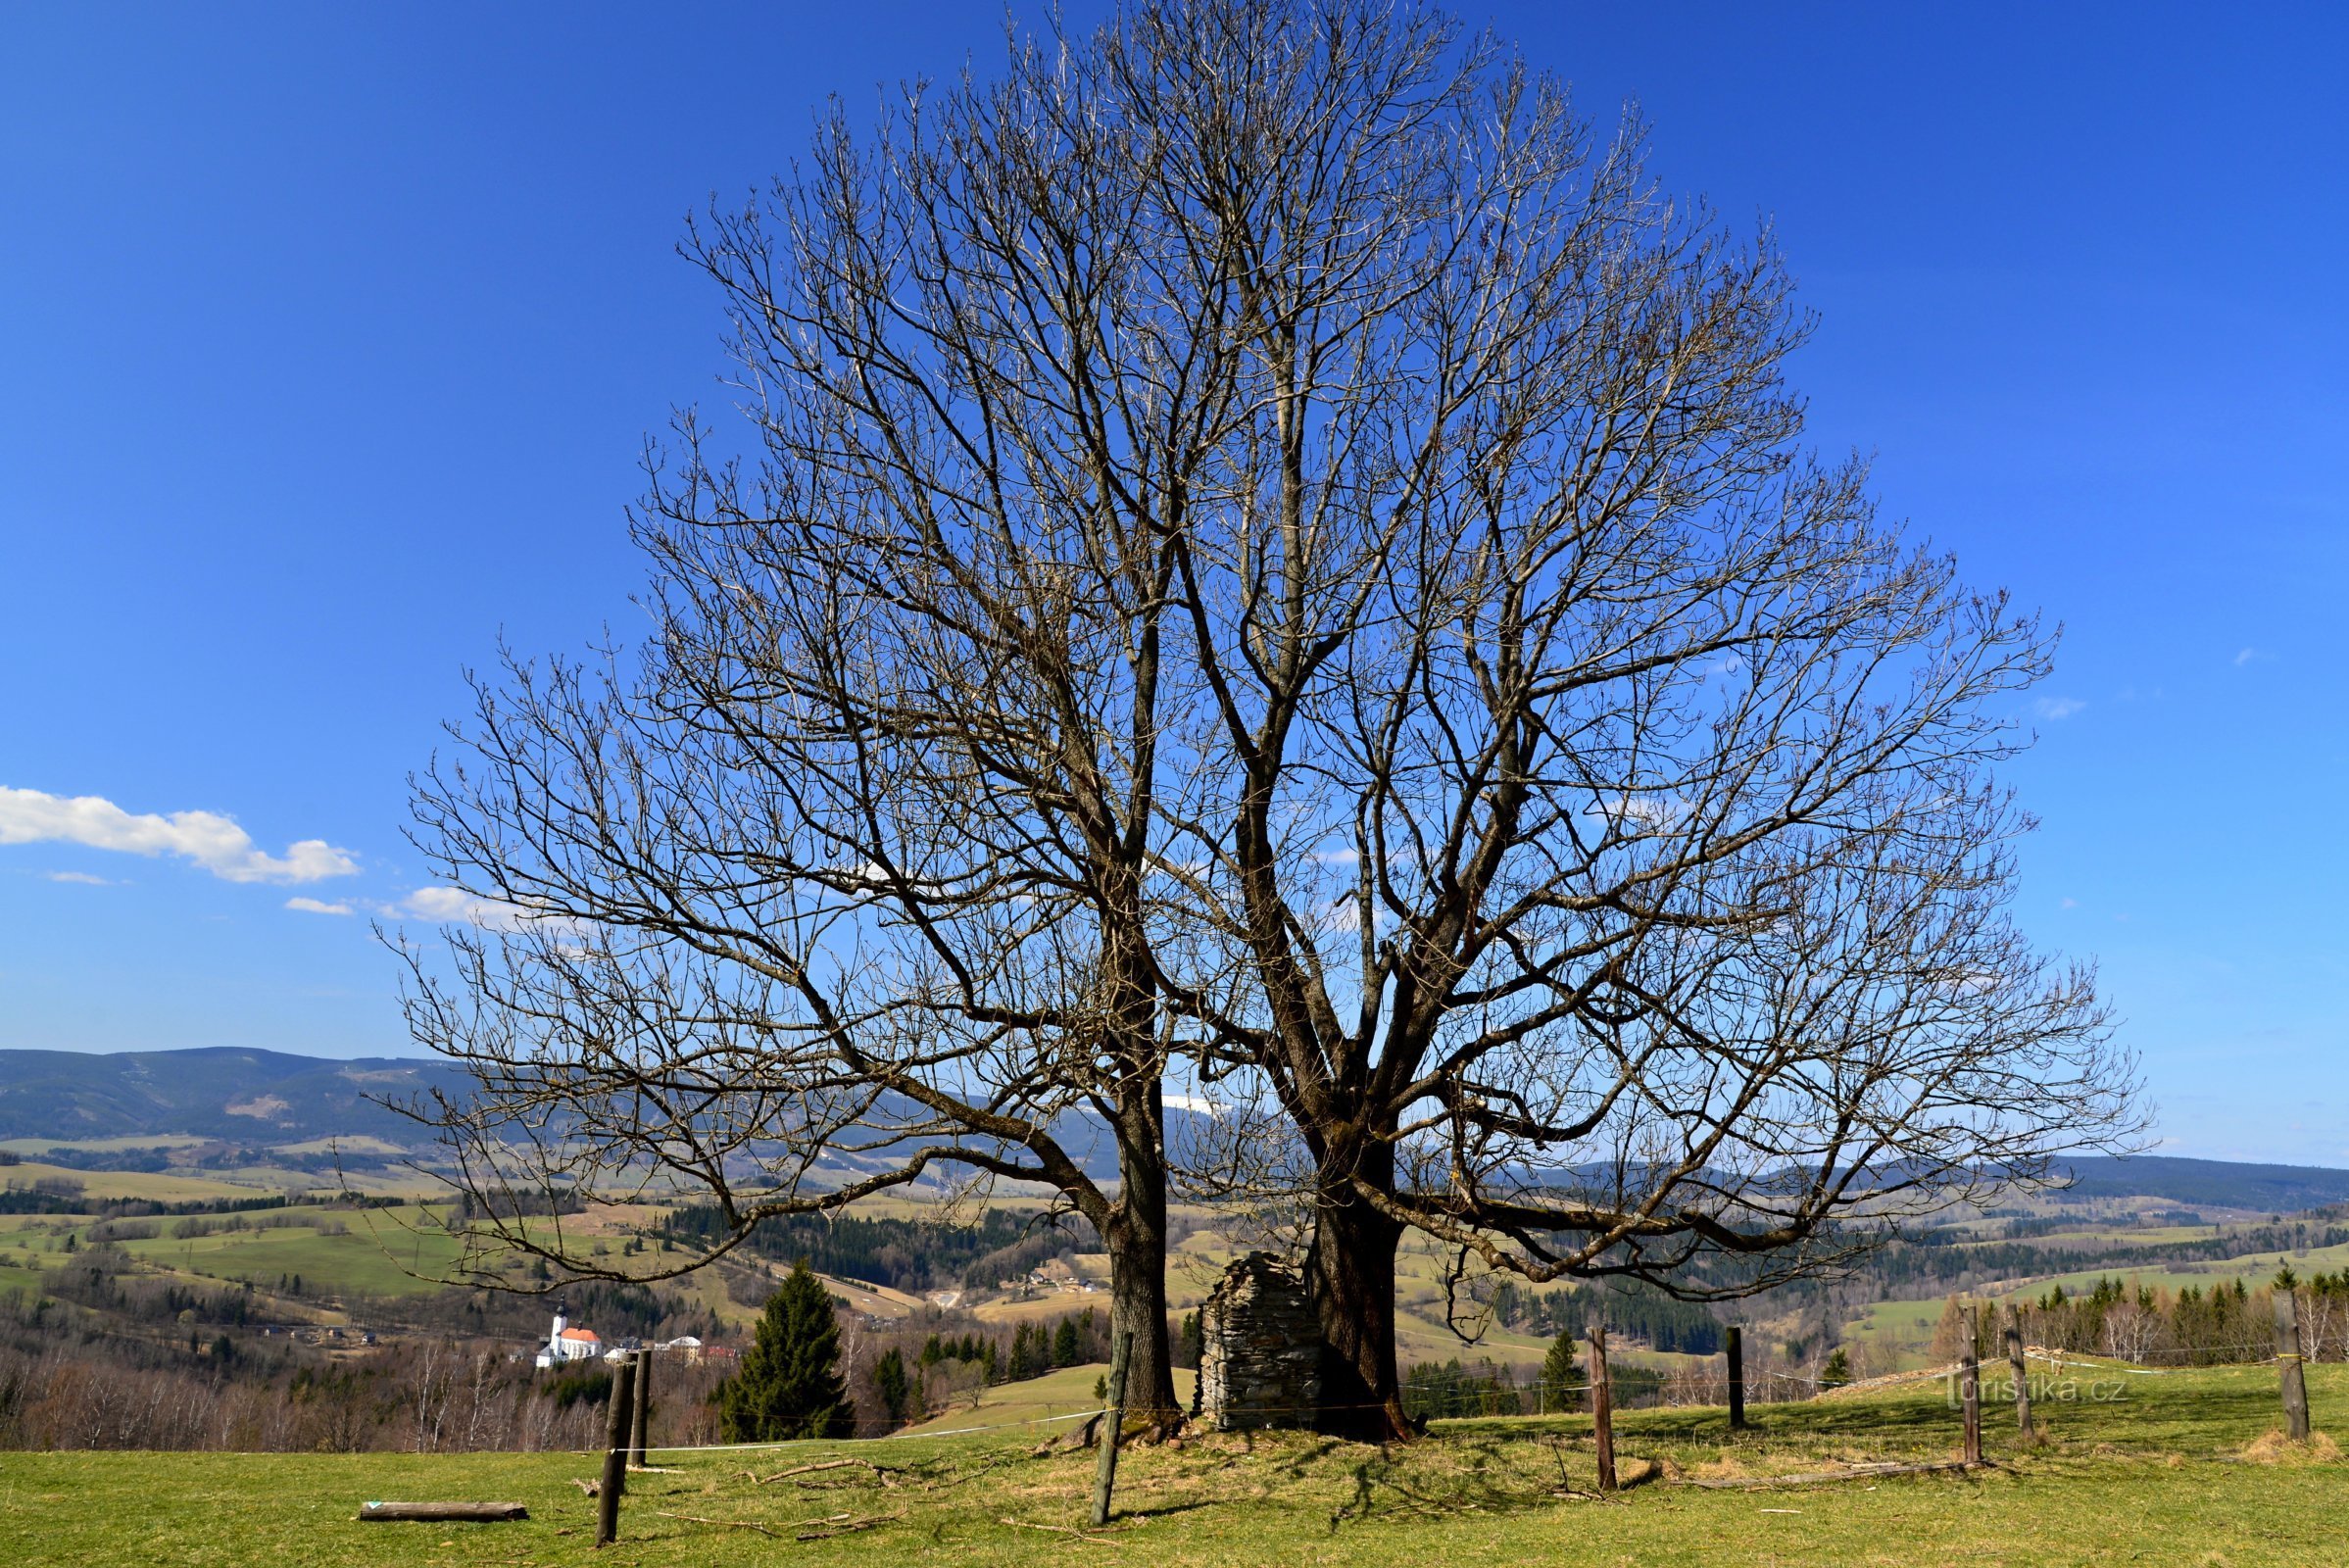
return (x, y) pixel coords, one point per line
(162, 1186)
(386, 1260)
(1065, 1393)
(2159, 1475)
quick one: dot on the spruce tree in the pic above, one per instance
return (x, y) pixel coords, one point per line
(1561, 1373)
(896, 1391)
(1065, 1349)
(790, 1384)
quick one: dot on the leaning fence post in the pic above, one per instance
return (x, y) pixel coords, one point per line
(1970, 1383)
(1113, 1425)
(2015, 1358)
(616, 1451)
(640, 1408)
(1602, 1406)
(1737, 1378)
(2287, 1360)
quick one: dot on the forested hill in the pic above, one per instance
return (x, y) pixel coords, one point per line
(223, 1091)
(2216, 1183)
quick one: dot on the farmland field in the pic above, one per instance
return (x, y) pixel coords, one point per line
(2171, 1471)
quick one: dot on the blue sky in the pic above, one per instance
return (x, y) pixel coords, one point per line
(328, 339)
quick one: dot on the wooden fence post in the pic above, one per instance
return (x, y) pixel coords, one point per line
(1970, 1383)
(1602, 1406)
(616, 1451)
(2287, 1360)
(1737, 1378)
(640, 1408)
(1113, 1425)
(2021, 1365)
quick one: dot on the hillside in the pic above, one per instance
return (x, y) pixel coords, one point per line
(221, 1092)
(2209, 1183)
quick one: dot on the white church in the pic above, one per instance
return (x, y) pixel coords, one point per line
(565, 1344)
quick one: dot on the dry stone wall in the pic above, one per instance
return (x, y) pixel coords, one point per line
(1259, 1349)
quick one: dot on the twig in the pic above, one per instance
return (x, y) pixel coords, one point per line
(1064, 1529)
(1865, 1472)
(728, 1523)
(882, 1471)
(840, 1524)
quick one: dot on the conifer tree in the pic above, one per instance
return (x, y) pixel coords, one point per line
(790, 1384)
(1561, 1373)
(1064, 1342)
(900, 1395)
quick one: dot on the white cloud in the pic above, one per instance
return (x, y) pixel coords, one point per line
(2248, 656)
(2057, 706)
(210, 840)
(446, 905)
(316, 907)
(83, 878)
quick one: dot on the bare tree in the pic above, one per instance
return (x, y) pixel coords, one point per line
(1599, 796)
(1271, 556)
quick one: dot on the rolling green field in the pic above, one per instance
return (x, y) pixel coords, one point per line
(2173, 1471)
(384, 1260)
(162, 1186)
(1066, 1392)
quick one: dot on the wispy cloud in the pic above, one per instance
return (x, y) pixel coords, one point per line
(207, 838)
(447, 906)
(81, 878)
(2249, 656)
(2069, 904)
(2052, 707)
(318, 907)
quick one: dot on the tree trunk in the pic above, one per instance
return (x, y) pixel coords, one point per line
(1354, 1292)
(1136, 1237)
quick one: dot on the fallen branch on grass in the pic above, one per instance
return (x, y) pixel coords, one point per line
(441, 1512)
(724, 1524)
(882, 1472)
(1065, 1530)
(840, 1524)
(1862, 1472)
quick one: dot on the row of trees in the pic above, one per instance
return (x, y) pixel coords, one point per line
(1268, 571)
(2191, 1325)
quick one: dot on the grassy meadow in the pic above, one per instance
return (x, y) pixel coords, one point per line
(2176, 1469)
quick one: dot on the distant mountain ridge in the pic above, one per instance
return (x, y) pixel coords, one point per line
(224, 1092)
(240, 1095)
(2212, 1183)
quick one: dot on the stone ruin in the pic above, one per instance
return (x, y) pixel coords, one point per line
(1259, 1349)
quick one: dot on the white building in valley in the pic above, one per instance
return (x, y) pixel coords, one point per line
(566, 1344)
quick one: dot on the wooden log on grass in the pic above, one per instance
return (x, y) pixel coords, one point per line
(445, 1512)
(1817, 1478)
